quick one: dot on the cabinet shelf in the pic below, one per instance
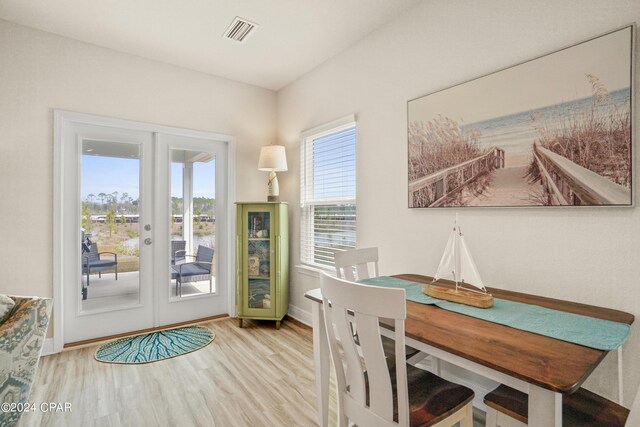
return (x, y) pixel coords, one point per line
(259, 238)
(259, 277)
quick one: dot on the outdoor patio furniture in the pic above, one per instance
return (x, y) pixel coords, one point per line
(178, 251)
(195, 271)
(92, 262)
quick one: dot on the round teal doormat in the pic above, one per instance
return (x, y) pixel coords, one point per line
(155, 346)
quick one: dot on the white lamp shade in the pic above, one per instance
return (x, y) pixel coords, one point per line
(272, 158)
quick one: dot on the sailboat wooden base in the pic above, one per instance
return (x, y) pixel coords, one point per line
(475, 299)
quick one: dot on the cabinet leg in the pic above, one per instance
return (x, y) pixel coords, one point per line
(240, 322)
(277, 324)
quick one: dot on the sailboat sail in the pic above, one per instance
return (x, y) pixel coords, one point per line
(447, 263)
(468, 269)
(457, 263)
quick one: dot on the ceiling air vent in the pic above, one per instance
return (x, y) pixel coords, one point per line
(239, 30)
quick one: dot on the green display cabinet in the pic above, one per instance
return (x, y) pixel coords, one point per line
(262, 261)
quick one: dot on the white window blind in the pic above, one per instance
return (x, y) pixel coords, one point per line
(328, 194)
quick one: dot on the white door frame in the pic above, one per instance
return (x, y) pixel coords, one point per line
(61, 119)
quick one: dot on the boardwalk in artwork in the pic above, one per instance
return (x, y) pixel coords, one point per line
(510, 188)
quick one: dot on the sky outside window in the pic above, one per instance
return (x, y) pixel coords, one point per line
(102, 174)
(334, 165)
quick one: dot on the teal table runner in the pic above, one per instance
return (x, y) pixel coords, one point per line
(575, 328)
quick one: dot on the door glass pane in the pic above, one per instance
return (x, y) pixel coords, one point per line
(110, 194)
(259, 260)
(193, 223)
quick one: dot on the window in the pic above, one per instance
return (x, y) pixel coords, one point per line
(328, 192)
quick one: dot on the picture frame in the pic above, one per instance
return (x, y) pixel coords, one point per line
(556, 130)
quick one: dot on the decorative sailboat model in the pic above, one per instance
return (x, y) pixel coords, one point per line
(457, 264)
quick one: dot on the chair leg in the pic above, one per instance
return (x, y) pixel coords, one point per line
(116, 271)
(492, 417)
(462, 418)
(436, 366)
(88, 273)
(210, 285)
(467, 421)
(100, 274)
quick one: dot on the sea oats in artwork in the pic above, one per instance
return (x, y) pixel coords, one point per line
(555, 130)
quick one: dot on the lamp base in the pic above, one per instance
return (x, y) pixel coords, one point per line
(273, 194)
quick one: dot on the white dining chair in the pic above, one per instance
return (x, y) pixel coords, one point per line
(634, 415)
(359, 264)
(373, 390)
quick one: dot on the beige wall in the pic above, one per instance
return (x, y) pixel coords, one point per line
(587, 255)
(40, 72)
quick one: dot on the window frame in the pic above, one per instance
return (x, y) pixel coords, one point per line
(306, 229)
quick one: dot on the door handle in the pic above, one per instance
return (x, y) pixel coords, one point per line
(148, 241)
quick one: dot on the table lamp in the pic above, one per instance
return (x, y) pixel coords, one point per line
(273, 159)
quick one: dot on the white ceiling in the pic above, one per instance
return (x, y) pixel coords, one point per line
(294, 36)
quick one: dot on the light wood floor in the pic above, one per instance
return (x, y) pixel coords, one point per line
(255, 376)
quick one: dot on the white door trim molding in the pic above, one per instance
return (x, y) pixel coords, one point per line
(61, 118)
(231, 220)
(58, 335)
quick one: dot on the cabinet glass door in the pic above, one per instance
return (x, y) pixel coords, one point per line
(259, 266)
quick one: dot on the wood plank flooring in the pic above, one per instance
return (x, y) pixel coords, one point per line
(255, 376)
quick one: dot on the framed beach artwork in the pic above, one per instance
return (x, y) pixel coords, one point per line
(552, 131)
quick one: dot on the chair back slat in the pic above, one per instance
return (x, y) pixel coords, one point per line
(354, 371)
(402, 383)
(339, 365)
(362, 270)
(360, 260)
(381, 397)
(368, 304)
(348, 273)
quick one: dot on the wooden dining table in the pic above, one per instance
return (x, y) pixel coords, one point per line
(544, 368)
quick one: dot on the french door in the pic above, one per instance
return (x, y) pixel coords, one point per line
(191, 195)
(143, 226)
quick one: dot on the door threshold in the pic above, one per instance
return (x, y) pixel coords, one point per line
(85, 343)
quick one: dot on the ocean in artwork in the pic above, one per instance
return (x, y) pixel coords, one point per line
(515, 133)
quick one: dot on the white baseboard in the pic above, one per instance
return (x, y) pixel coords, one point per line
(300, 315)
(47, 347)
